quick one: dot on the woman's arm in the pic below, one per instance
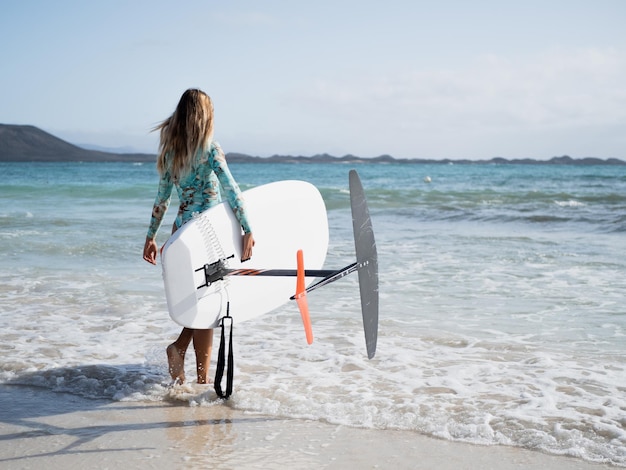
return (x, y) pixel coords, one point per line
(230, 186)
(161, 204)
(234, 197)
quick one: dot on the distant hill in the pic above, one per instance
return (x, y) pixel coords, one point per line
(30, 144)
(325, 158)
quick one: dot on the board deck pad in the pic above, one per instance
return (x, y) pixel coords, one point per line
(367, 261)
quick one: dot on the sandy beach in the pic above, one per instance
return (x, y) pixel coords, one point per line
(57, 430)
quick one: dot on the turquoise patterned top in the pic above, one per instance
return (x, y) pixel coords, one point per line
(199, 190)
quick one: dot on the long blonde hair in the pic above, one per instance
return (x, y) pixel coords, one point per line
(188, 129)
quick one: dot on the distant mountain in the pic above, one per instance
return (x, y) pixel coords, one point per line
(325, 158)
(30, 144)
(123, 150)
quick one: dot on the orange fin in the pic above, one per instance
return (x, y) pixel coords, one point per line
(301, 299)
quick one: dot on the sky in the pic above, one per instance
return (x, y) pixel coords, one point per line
(412, 79)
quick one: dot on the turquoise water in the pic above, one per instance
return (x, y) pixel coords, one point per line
(502, 288)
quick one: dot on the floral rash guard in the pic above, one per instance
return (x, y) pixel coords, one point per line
(199, 190)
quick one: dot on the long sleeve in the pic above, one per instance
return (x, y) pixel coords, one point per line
(161, 204)
(231, 189)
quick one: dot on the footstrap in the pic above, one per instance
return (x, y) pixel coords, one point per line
(221, 360)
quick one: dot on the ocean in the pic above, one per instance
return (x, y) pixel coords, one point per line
(502, 301)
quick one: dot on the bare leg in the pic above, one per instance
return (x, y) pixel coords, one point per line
(176, 351)
(203, 343)
(176, 355)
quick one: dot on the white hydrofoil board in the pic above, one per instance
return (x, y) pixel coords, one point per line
(285, 217)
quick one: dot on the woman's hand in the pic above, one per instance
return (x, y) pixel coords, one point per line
(150, 251)
(247, 244)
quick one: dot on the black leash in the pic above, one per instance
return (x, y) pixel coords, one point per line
(221, 360)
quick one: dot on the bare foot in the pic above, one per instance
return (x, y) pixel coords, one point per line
(176, 363)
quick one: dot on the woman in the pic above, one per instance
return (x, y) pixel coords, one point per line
(190, 160)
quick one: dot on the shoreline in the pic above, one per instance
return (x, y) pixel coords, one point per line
(71, 432)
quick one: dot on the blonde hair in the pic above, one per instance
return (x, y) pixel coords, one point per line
(187, 130)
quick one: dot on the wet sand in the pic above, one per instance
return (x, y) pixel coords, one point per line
(42, 428)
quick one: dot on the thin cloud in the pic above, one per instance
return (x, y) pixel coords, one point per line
(557, 89)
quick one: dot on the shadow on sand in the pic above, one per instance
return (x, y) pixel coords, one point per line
(32, 410)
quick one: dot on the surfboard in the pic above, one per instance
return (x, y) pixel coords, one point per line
(285, 216)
